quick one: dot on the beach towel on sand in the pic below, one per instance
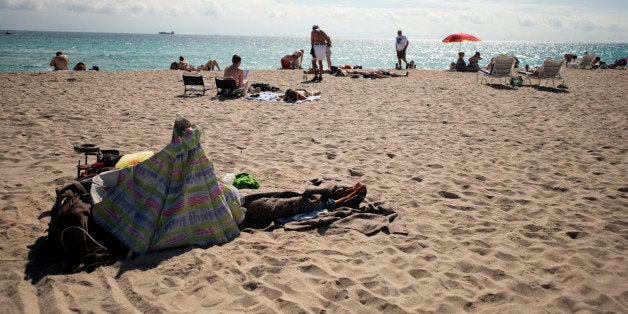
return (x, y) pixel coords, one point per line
(268, 96)
(173, 199)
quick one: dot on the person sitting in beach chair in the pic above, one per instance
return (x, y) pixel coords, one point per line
(226, 86)
(238, 74)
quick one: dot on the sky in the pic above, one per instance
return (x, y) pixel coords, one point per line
(522, 20)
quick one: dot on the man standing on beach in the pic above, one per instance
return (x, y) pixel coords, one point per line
(320, 41)
(60, 61)
(401, 43)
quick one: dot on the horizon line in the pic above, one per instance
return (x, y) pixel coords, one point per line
(358, 38)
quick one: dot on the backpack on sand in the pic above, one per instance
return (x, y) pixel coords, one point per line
(72, 231)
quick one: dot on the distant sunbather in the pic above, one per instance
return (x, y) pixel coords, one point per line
(473, 62)
(376, 74)
(80, 67)
(460, 65)
(536, 70)
(210, 66)
(184, 65)
(299, 94)
(288, 61)
(570, 57)
(618, 63)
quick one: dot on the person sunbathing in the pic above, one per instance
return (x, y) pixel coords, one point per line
(618, 63)
(374, 74)
(299, 94)
(538, 69)
(210, 66)
(288, 61)
(80, 67)
(185, 66)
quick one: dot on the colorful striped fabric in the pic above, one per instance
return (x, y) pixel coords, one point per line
(173, 199)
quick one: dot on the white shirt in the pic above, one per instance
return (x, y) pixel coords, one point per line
(402, 42)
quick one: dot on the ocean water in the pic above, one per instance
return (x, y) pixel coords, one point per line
(31, 51)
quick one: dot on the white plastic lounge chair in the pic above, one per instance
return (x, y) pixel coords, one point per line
(190, 80)
(550, 70)
(587, 61)
(502, 68)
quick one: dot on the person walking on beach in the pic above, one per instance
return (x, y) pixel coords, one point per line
(234, 71)
(401, 43)
(60, 61)
(320, 41)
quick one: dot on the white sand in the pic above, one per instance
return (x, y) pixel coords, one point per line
(515, 199)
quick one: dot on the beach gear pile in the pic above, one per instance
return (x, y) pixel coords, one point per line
(173, 198)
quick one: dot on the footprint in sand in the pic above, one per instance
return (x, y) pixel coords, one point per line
(448, 195)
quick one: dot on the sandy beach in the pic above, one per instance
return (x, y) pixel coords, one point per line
(515, 200)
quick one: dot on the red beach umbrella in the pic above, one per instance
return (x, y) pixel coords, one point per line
(459, 38)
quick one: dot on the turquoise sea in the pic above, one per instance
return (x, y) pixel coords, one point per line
(31, 51)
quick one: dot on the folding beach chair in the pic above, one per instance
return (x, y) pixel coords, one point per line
(502, 69)
(550, 70)
(190, 80)
(226, 86)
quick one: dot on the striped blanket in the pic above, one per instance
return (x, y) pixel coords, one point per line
(173, 199)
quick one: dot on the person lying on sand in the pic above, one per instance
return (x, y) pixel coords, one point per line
(184, 65)
(299, 94)
(210, 66)
(375, 74)
(618, 63)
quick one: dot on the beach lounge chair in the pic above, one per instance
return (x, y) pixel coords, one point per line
(587, 61)
(502, 69)
(550, 70)
(192, 80)
(226, 86)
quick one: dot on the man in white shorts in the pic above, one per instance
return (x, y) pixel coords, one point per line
(320, 41)
(401, 44)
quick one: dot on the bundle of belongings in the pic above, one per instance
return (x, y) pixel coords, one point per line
(175, 199)
(264, 87)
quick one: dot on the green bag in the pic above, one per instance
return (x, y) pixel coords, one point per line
(516, 81)
(245, 181)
